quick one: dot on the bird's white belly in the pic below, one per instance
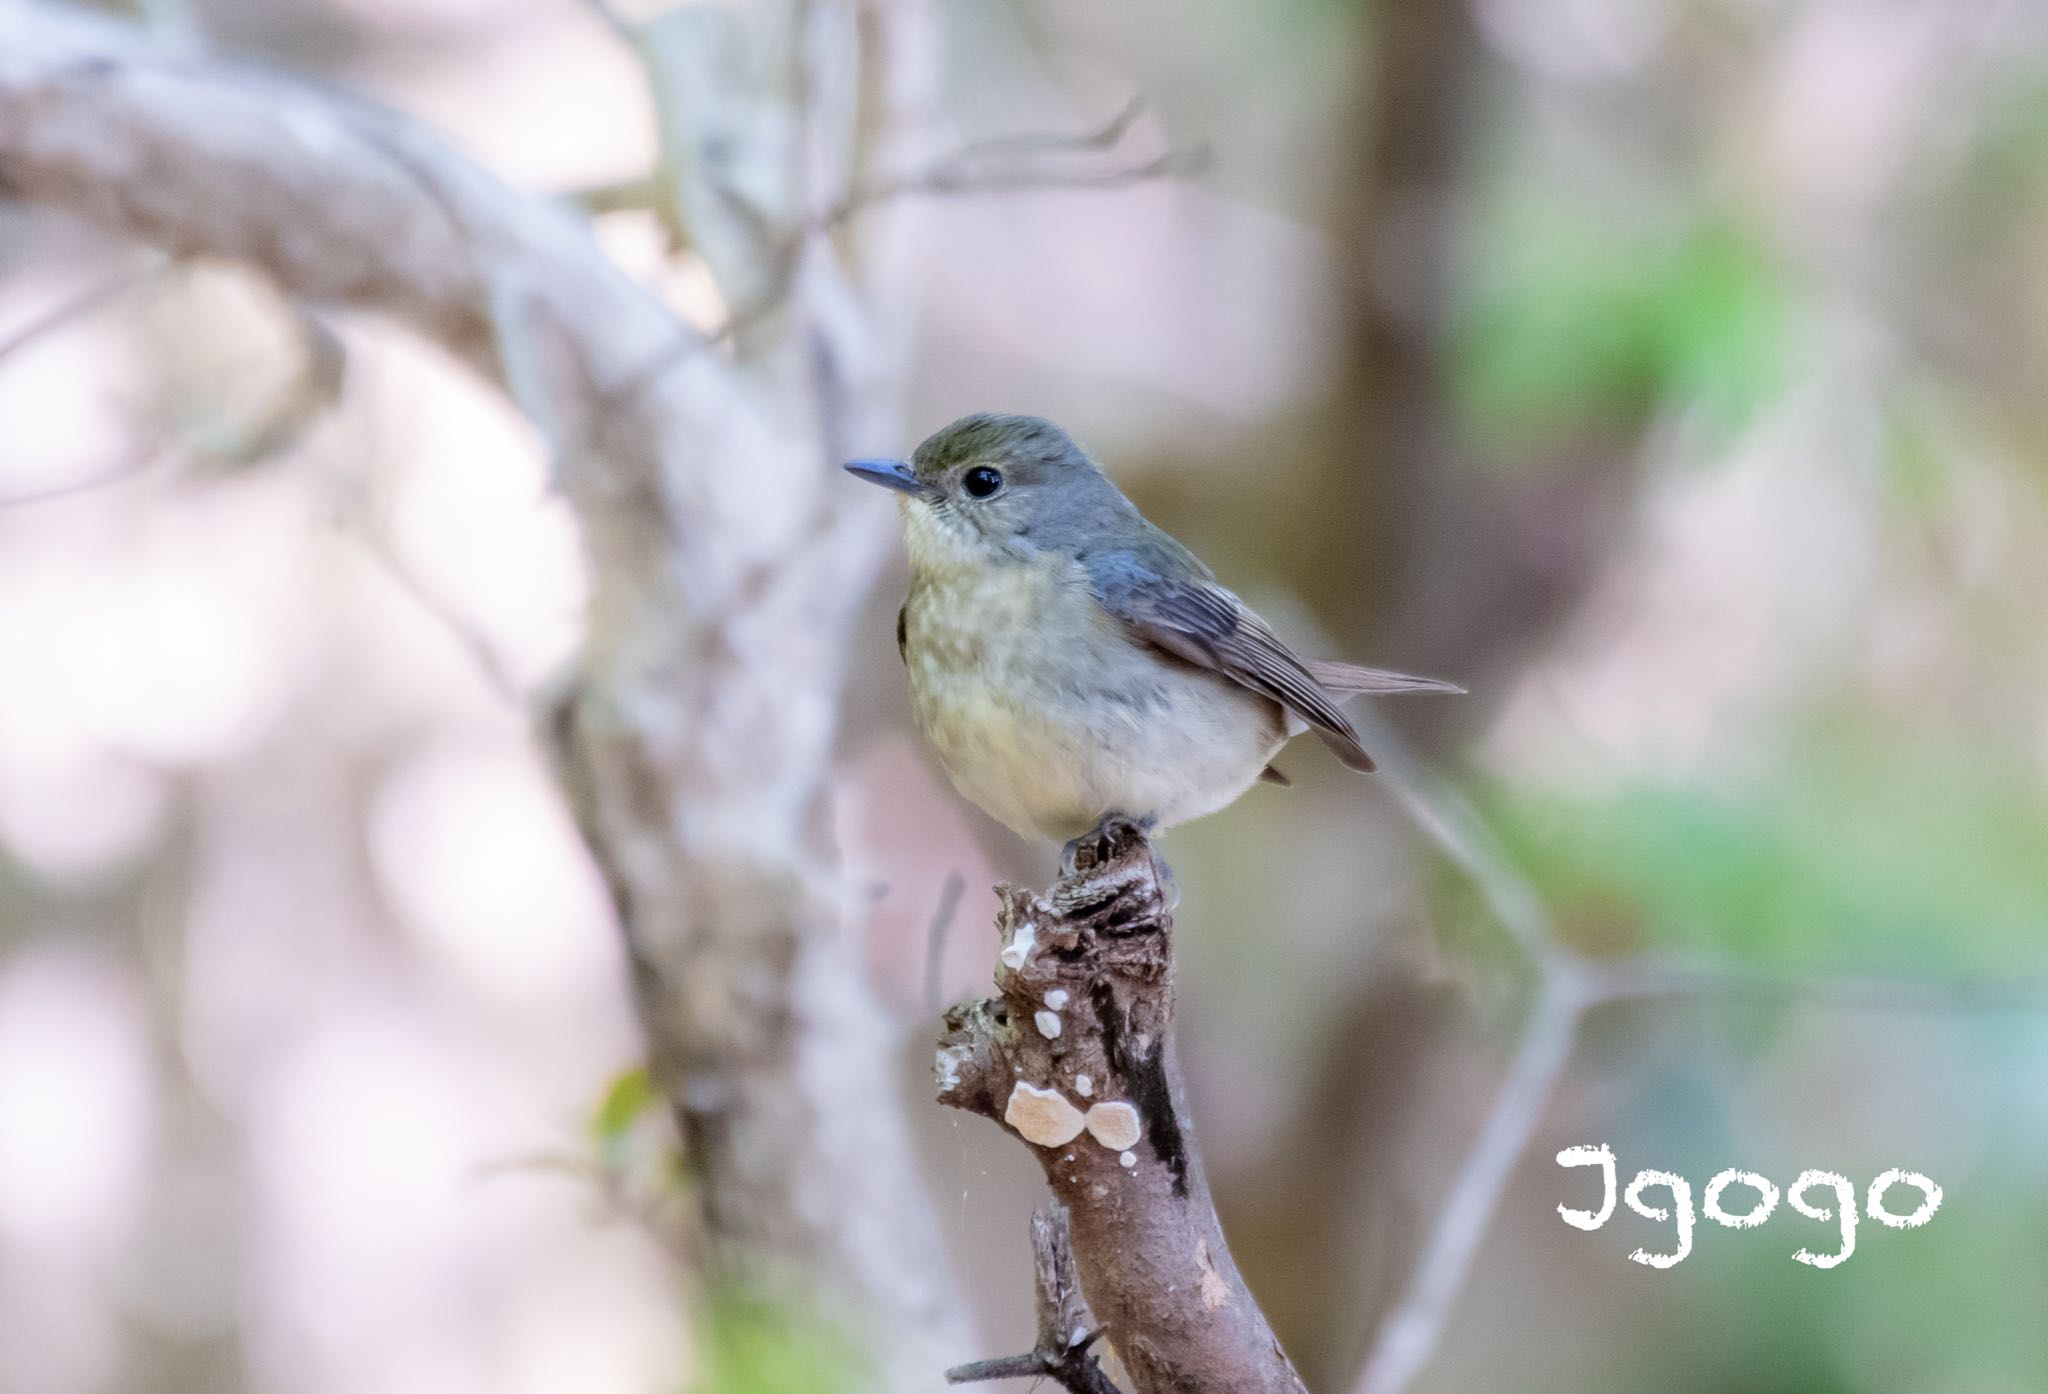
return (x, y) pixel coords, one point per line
(1048, 716)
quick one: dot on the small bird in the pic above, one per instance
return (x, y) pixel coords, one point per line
(1072, 663)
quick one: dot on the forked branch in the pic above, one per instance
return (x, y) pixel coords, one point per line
(1066, 1328)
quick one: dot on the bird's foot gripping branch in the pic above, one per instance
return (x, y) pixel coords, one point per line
(1074, 1057)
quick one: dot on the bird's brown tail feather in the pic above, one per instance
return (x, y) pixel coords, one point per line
(1348, 679)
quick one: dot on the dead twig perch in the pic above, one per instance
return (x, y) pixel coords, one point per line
(1075, 1058)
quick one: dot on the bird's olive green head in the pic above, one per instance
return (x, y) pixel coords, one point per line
(1013, 485)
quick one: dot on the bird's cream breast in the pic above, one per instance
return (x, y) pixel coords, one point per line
(1046, 713)
(979, 642)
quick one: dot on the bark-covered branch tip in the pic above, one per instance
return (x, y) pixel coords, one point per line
(1074, 1057)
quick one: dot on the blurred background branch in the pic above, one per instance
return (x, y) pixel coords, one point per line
(763, 1040)
(1568, 986)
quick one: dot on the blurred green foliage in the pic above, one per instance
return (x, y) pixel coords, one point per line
(629, 1098)
(750, 1344)
(746, 1342)
(1572, 323)
(1856, 851)
(1989, 201)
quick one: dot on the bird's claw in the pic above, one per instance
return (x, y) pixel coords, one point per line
(1105, 842)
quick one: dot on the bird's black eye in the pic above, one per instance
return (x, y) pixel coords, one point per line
(981, 481)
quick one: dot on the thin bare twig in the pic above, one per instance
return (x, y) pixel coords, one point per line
(78, 305)
(1103, 137)
(273, 431)
(965, 172)
(943, 180)
(141, 462)
(1652, 975)
(935, 937)
(473, 645)
(1448, 820)
(1066, 1328)
(1006, 163)
(656, 1208)
(1409, 1336)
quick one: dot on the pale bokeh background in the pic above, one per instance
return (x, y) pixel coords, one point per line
(1692, 410)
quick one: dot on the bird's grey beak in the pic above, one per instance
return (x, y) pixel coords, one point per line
(890, 474)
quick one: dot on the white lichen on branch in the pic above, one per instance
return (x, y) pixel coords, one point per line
(1042, 1117)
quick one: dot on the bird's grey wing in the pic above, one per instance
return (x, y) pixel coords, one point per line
(1195, 619)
